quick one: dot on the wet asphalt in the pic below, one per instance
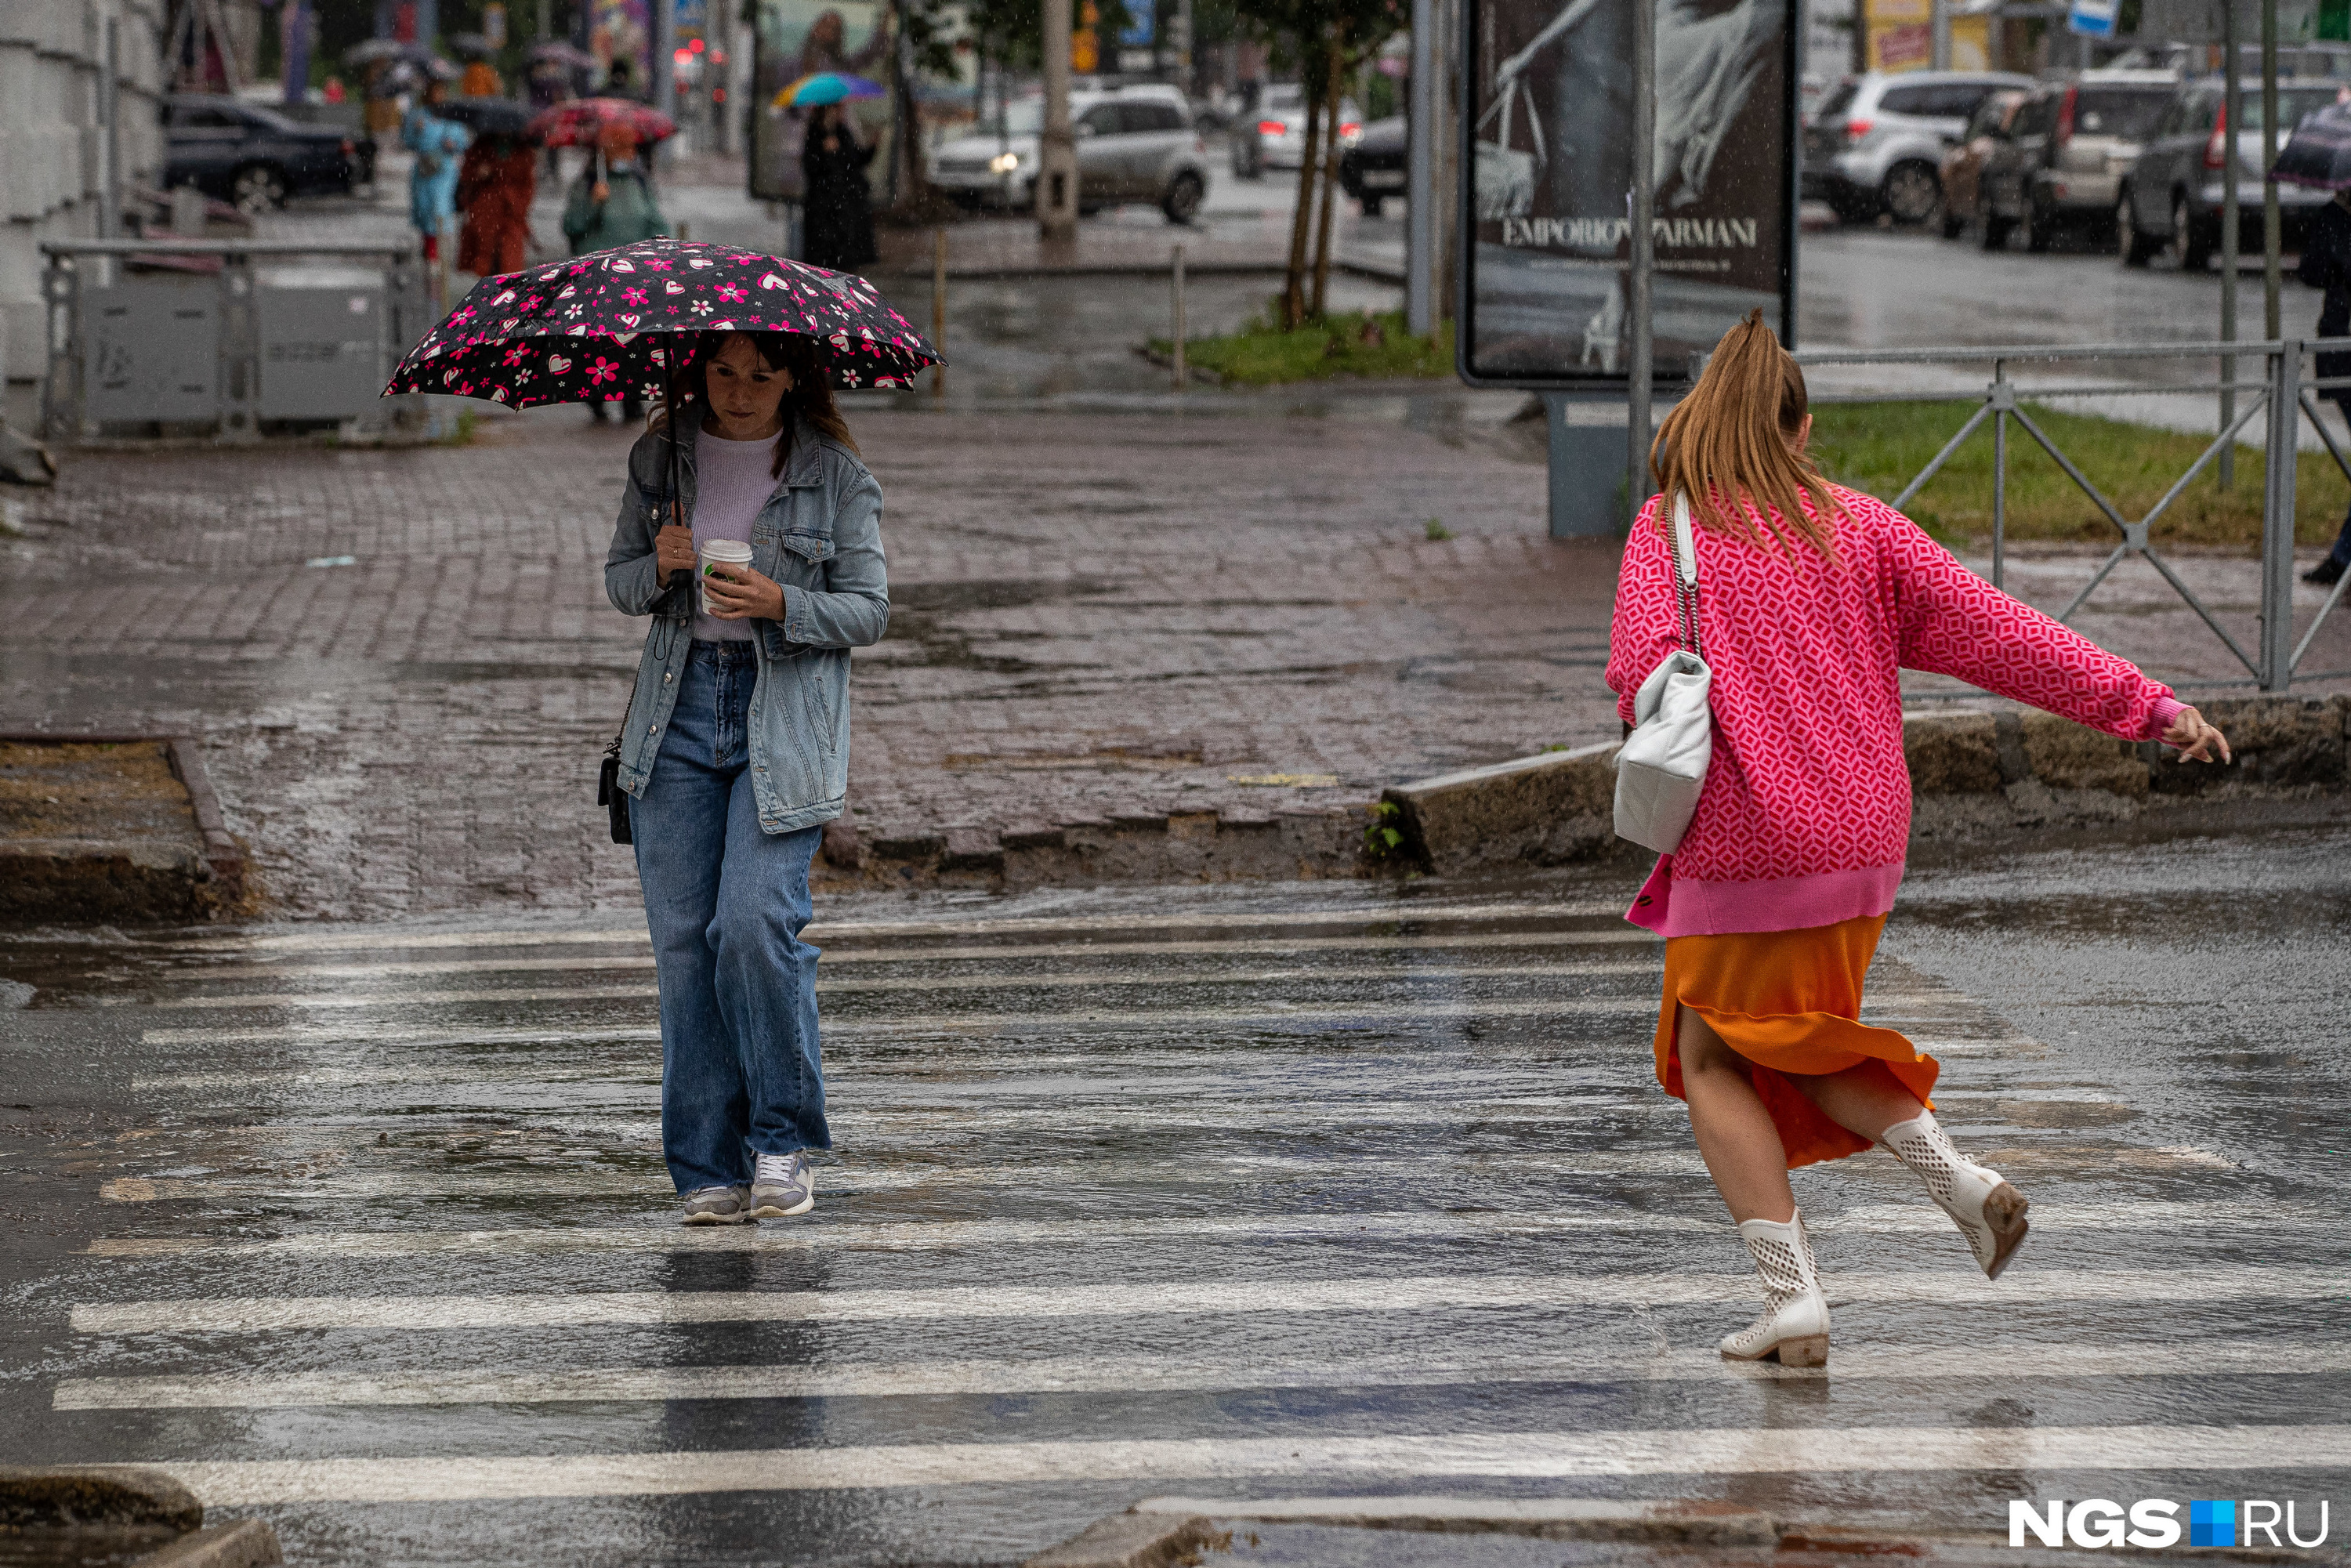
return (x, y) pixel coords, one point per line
(1220, 1191)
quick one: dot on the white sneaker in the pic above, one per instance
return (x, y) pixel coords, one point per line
(782, 1186)
(1794, 1328)
(1988, 1212)
(717, 1205)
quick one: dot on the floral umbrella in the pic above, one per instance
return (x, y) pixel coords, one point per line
(591, 328)
(580, 122)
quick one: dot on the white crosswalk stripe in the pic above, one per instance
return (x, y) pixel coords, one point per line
(1524, 1455)
(1273, 1013)
(1193, 1168)
(1219, 1296)
(1148, 1375)
(2177, 1218)
(850, 930)
(862, 986)
(834, 957)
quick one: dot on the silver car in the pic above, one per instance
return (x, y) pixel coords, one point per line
(1134, 144)
(1281, 126)
(1877, 141)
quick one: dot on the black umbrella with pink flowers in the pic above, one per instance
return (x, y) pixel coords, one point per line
(597, 326)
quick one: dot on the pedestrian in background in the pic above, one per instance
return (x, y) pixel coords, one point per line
(839, 233)
(481, 79)
(1812, 600)
(494, 186)
(2326, 264)
(735, 750)
(438, 144)
(611, 203)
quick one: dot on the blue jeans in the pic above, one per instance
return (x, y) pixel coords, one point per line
(740, 1073)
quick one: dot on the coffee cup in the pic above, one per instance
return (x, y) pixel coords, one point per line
(719, 552)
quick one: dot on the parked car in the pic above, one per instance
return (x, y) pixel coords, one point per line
(1373, 168)
(1962, 166)
(1279, 135)
(2173, 195)
(2066, 153)
(253, 156)
(1134, 144)
(1876, 142)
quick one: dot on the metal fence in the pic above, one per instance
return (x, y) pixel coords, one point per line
(189, 332)
(2282, 398)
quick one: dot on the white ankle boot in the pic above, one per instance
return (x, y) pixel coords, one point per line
(1794, 1327)
(1988, 1212)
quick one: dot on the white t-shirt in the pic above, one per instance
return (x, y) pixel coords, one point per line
(731, 482)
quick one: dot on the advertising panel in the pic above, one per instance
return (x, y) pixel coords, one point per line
(1548, 154)
(793, 38)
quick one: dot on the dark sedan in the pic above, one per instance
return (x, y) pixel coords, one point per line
(1372, 170)
(247, 156)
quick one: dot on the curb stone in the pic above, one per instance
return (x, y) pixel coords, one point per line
(84, 1512)
(1131, 1541)
(1664, 1523)
(124, 864)
(1971, 770)
(67, 1496)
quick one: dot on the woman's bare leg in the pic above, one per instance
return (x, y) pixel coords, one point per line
(1865, 1100)
(1735, 1132)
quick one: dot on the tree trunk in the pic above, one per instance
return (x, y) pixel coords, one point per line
(1330, 177)
(1293, 282)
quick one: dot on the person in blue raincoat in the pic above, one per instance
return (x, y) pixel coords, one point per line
(440, 147)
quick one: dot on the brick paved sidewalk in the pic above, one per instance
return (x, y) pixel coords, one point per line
(1096, 618)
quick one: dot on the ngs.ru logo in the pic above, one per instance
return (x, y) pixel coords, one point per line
(2153, 1521)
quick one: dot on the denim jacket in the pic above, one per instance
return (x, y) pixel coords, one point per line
(820, 536)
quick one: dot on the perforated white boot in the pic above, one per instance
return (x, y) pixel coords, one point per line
(1794, 1328)
(1988, 1212)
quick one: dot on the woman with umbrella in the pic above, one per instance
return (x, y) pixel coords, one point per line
(438, 143)
(735, 751)
(612, 204)
(494, 186)
(840, 221)
(736, 739)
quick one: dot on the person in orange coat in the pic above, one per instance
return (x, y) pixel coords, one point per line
(493, 189)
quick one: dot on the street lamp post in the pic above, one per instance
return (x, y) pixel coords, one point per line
(1642, 273)
(1057, 149)
(1420, 177)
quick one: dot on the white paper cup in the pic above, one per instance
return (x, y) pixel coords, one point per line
(719, 553)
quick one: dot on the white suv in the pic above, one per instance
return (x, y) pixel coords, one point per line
(1134, 144)
(1876, 143)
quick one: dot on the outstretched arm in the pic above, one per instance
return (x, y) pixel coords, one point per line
(1953, 622)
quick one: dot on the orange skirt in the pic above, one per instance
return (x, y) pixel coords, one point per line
(1790, 1002)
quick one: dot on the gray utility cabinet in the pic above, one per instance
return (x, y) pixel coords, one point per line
(311, 338)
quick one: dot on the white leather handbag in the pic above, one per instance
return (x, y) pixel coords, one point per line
(1661, 766)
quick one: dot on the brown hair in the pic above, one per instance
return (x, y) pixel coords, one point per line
(1730, 446)
(809, 399)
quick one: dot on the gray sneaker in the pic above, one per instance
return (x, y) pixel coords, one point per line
(717, 1205)
(782, 1186)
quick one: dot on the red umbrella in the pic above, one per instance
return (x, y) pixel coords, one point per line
(580, 122)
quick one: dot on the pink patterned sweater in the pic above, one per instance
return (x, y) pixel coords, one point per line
(1805, 817)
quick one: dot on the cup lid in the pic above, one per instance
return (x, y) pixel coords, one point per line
(725, 549)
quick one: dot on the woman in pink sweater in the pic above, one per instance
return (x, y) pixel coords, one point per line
(1812, 598)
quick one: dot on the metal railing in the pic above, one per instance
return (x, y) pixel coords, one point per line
(2283, 395)
(214, 346)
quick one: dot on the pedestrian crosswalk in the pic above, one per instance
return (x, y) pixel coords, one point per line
(1271, 1195)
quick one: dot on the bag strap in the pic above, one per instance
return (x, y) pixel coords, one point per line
(1685, 574)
